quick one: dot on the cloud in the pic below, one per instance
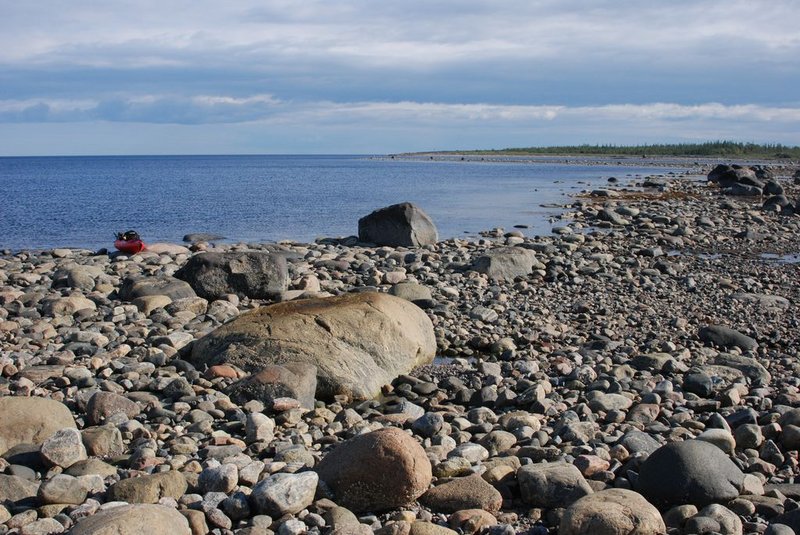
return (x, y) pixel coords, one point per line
(215, 109)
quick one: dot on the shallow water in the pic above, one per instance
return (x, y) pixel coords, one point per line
(83, 201)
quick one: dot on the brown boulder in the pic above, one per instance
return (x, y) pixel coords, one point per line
(376, 471)
(358, 342)
(30, 420)
(134, 520)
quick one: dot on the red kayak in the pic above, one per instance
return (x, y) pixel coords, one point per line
(130, 246)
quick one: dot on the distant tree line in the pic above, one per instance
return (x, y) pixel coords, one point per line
(710, 149)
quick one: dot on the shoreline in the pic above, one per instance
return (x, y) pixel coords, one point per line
(601, 340)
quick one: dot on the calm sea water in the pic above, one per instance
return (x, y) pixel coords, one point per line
(82, 201)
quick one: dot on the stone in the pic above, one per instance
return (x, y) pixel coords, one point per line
(693, 471)
(729, 522)
(133, 287)
(167, 248)
(470, 492)
(429, 528)
(550, 485)
(66, 306)
(356, 470)
(411, 291)
(726, 337)
(612, 512)
(471, 521)
(506, 263)
(282, 494)
(62, 488)
(721, 438)
(16, 489)
(359, 342)
(398, 225)
(223, 478)
(103, 405)
(150, 488)
(64, 448)
(90, 467)
(30, 420)
(134, 520)
(254, 274)
(148, 303)
(296, 380)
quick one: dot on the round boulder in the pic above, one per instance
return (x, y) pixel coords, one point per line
(358, 342)
(30, 420)
(612, 512)
(376, 471)
(693, 471)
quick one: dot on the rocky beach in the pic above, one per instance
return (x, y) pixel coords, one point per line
(635, 372)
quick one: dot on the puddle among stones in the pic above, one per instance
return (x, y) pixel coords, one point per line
(790, 258)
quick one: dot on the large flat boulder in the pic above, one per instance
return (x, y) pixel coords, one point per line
(398, 225)
(253, 274)
(134, 520)
(31, 420)
(358, 342)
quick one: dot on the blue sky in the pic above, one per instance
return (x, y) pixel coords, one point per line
(359, 76)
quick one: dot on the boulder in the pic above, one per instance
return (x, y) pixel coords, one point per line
(727, 175)
(694, 472)
(471, 492)
(356, 471)
(722, 336)
(283, 494)
(15, 489)
(103, 405)
(612, 512)
(550, 485)
(506, 263)
(134, 520)
(30, 420)
(150, 488)
(398, 225)
(416, 293)
(296, 380)
(358, 342)
(253, 274)
(167, 248)
(133, 287)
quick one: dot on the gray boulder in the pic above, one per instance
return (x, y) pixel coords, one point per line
(612, 512)
(693, 471)
(550, 485)
(253, 274)
(282, 494)
(506, 263)
(358, 342)
(743, 190)
(722, 336)
(398, 225)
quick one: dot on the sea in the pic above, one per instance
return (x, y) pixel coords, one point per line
(81, 202)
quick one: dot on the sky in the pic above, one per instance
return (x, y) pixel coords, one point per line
(373, 77)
